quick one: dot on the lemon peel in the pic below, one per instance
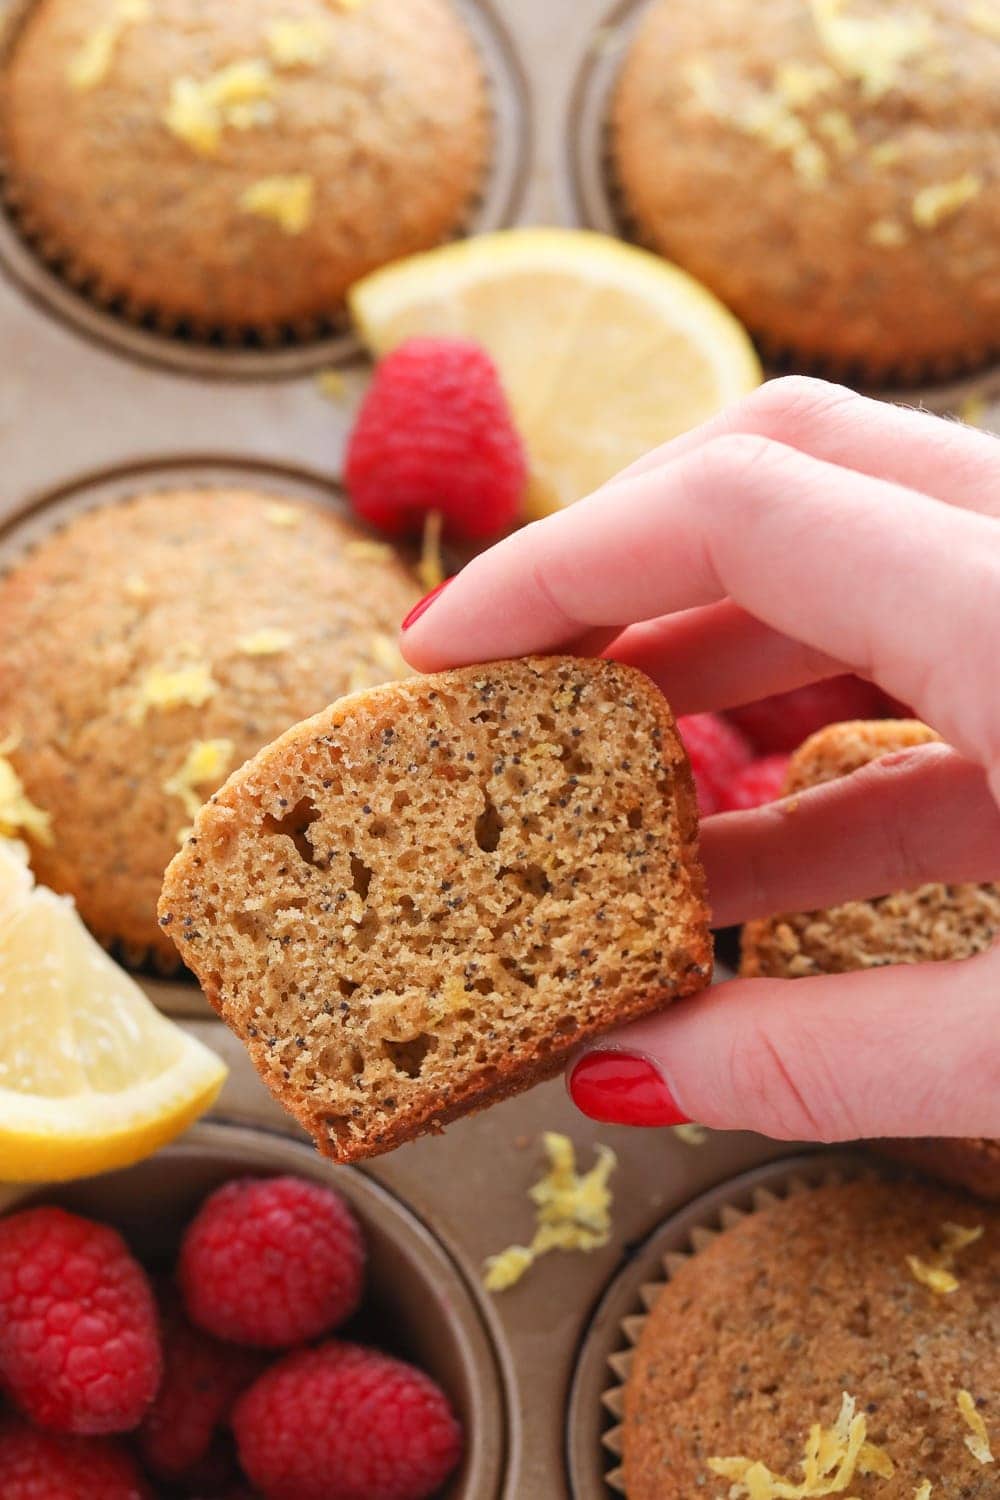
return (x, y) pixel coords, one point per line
(239, 95)
(923, 1490)
(287, 200)
(204, 766)
(977, 1440)
(939, 201)
(572, 1212)
(298, 43)
(430, 569)
(269, 641)
(938, 1274)
(832, 1459)
(92, 63)
(18, 814)
(868, 50)
(173, 687)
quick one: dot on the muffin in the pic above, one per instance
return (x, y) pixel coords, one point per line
(813, 1327)
(423, 899)
(935, 923)
(234, 167)
(149, 647)
(829, 169)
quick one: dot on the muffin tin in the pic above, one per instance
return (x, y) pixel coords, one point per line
(92, 409)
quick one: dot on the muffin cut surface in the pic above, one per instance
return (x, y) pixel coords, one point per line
(420, 900)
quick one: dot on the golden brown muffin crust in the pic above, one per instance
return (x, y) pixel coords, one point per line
(389, 124)
(756, 1337)
(421, 900)
(273, 619)
(830, 171)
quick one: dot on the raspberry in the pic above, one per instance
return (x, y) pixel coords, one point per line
(341, 1422)
(783, 721)
(435, 432)
(717, 752)
(272, 1262)
(79, 1346)
(201, 1380)
(46, 1466)
(759, 782)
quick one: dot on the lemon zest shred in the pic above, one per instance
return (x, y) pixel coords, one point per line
(430, 569)
(18, 814)
(92, 63)
(937, 1278)
(204, 765)
(870, 51)
(938, 1274)
(238, 95)
(287, 200)
(298, 43)
(365, 550)
(136, 589)
(977, 1440)
(888, 233)
(572, 1212)
(885, 154)
(939, 201)
(172, 687)
(832, 1458)
(923, 1490)
(691, 1134)
(268, 641)
(287, 516)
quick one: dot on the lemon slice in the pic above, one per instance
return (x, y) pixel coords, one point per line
(91, 1075)
(604, 350)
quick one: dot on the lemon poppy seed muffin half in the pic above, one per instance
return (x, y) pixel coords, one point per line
(235, 167)
(148, 648)
(829, 168)
(842, 1341)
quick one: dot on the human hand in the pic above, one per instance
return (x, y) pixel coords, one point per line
(805, 531)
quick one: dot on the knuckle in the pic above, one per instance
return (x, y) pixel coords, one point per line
(794, 400)
(726, 460)
(783, 1087)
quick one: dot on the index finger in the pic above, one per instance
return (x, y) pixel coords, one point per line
(884, 579)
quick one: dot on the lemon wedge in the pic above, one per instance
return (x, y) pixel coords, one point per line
(605, 350)
(92, 1077)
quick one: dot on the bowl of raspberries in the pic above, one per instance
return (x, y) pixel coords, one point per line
(236, 1320)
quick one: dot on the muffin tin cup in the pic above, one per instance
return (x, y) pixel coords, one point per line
(418, 1304)
(599, 203)
(596, 1407)
(48, 273)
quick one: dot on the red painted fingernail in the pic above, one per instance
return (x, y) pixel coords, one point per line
(423, 604)
(620, 1088)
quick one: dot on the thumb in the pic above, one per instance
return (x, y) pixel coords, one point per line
(901, 1051)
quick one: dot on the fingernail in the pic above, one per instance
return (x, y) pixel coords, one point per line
(620, 1088)
(424, 604)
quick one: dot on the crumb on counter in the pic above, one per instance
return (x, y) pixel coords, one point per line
(833, 1457)
(572, 1212)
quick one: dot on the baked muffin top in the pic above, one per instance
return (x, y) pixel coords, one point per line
(829, 169)
(149, 647)
(237, 166)
(759, 1336)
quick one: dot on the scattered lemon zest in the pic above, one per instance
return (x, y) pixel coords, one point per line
(888, 233)
(364, 550)
(286, 199)
(978, 1439)
(332, 384)
(572, 1212)
(885, 154)
(298, 43)
(269, 641)
(238, 95)
(837, 127)
(136, 588)
(937, 1274)
(691, 1134)
(941, 200)
(868, 50)
(832, 1458)
(430, 569)
(92, 63)
(984, 18)
(282, 515)
(172, 687)
(205, 765)
(800, 83)
(765, 116)
(18, 814)
(923, 1490)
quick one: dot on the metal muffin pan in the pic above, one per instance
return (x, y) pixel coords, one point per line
(92, 410)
